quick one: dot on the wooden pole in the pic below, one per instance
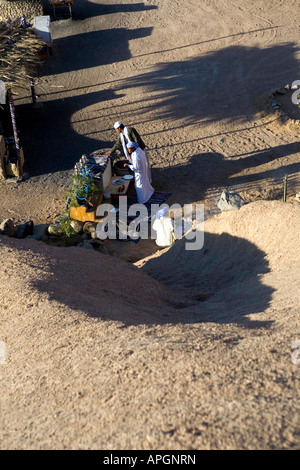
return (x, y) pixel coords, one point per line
(15, 131)
(284, 188)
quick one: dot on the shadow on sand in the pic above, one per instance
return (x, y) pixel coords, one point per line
(83, 9)
(212, 170)
(228, 267)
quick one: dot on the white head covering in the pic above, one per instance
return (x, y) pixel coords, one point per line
(132, 145)
(117, 124)
(162, 212)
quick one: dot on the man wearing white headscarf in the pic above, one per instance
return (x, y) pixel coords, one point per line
(143, 188)
(164, 227)
(126, 135)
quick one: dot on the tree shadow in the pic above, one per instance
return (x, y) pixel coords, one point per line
(219, 85)
(208, 170)
(50, 144)
(83, 9)
(86, 50)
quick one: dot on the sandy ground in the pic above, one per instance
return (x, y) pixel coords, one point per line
(184, 349)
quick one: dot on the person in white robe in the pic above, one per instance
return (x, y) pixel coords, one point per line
(139, 166)
(129, 134)
(163, 225)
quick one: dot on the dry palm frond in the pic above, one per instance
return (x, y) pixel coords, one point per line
(19, 49)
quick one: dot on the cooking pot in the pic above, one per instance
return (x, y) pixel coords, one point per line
(120, 169)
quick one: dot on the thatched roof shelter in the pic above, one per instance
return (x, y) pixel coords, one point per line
(19, 47)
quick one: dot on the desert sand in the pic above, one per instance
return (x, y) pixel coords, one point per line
(180, 349)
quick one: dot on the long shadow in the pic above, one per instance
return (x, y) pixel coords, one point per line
(86, 50)
(225, 275)
(83, 9)
(230, 266)
(218, 85)
(49, 142)
(48, 139)
(211, 170)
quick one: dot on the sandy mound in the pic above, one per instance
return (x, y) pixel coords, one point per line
(98, 357)
(250, 259)
(90, 283)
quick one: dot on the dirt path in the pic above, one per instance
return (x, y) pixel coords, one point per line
(189, 77)
(161, 368)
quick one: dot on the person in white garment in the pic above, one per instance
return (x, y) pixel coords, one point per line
(163, 225)
(128, 134)
(143, 188)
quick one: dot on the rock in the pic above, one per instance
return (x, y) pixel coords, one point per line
(275, 105)
(55, 229)
(40, 232)
(295, 86)
(87, 245)
(24, 230)
(280, 91)
(8, 228)
(77, 226)
(230, 200)
(94, 235)
(89, 227)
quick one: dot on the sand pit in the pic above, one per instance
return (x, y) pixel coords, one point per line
(183, 350)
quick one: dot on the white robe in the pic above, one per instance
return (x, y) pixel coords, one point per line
(140, 166)
(166, 234)
(123, 135)
(127, 155)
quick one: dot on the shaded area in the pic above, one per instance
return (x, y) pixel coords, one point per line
(227, 270)
(83, 9)
(49, 141)
(212, 87)
(218, 85)
(86, 50)
(93, 283)
(209, 170)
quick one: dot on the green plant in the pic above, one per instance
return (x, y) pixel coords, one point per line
(82, 187)
(65, 224)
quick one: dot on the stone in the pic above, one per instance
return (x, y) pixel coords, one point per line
(280, 91)
(89, 227)
(55, 229)
(23, 230)
(77, 226)
(230, 200)
(87, 245)
(40, 232)
(8, 228)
